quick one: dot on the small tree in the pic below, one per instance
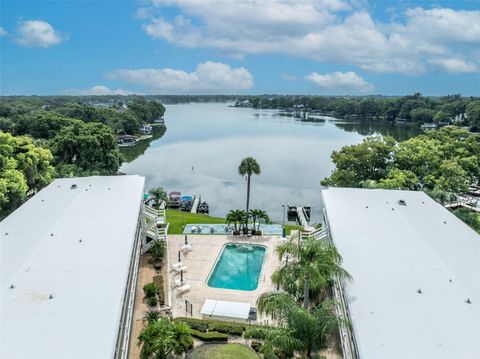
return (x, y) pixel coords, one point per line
(150, 290)
(158, 249)
(158, 195)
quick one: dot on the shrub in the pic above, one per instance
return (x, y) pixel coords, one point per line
(150, 290)
(152, 301)
(196, 324)
(152, 315)
(232, 329)
(210, 336)
(158, 281)
(255, 332)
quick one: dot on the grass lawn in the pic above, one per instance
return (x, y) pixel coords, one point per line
(223, 351)
(178, 220)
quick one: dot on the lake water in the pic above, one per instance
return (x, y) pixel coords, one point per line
(203, 145)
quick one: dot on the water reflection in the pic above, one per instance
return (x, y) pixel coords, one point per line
(131, 153)
(204, 144)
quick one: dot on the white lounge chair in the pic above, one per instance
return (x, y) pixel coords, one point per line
(177, 283)
(179, 268)
(183, 289)
(186, 247)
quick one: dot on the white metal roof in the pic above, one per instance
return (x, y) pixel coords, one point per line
(41, 254)
(222, 308)
(392, 251)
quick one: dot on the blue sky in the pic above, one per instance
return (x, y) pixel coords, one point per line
(212, 46)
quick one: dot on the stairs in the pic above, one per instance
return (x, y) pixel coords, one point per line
(155, 226)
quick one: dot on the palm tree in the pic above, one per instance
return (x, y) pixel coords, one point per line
(237, 217)
(298, 328)
(262, 216)
(254, 215)
(158, 249)
(162, 339)
(159, 195)
(248, 166)
(312, 266)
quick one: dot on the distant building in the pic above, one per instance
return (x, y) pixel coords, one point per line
(126, 140)
(429, 126)
(146, 129)
(415, 291)
(69, 263)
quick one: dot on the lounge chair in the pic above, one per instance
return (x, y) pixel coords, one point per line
(186, 247)
(179, 268)
(177, 283)
(183, 289)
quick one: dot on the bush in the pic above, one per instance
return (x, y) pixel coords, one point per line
(152, 301)
(150, 290)
(158, 281)
(255, 332)
(210, 336)
(196, 324)
(227, 328)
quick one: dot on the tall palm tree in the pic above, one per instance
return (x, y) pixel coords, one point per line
(262, 216)
(162, 339)
(298, 328)
(248, 167)
(312, 266)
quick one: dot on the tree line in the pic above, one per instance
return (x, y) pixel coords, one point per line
(43, 138)
(464, 111)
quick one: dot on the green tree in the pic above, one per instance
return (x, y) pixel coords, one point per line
(159, 195)
(298, 330)
(86, 148)
(312, 265)
(369, 160)
(23, 167)
(237, 217)
(248, 167)
(473, 115)
(163, 339)
(158, 249)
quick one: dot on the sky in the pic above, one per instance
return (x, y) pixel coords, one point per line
(317, 47)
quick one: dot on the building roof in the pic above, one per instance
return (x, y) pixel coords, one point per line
(75, 245)
(392, 251)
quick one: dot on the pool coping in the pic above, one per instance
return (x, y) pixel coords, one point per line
(218, 257)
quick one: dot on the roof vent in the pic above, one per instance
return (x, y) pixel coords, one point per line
(73, 186)
(393, 209)
(12, 286)
(468, 301)
(402, 202)
(366, 206)
(444, 222)
(80, 241)
(419, 291)
(6, 233)
(51, 234)
(50, 296)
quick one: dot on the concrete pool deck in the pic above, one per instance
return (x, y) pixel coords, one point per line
(200, 262)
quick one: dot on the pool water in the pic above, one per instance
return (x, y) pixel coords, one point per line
(238, 267)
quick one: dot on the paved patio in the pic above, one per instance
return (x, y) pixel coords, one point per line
(200, 261)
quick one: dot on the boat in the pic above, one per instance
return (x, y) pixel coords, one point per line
(186, 203)
(203, 208)
(174, 199)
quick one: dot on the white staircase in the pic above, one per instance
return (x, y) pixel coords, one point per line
(156, 226)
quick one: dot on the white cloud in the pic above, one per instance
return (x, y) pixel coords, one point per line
(37, 33)
(97, 91)
(3, 32)
(455, 65)
(208, 77)
(341, 82)
(326, 31)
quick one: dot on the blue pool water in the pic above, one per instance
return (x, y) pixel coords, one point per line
(267, 229)
(238, 267)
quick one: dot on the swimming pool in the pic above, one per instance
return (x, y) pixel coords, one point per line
(238, 267)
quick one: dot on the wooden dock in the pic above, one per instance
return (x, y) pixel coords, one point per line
(302, 218)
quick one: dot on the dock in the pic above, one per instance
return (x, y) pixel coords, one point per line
(302, 218)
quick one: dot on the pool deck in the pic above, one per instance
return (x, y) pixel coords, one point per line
(201, 260)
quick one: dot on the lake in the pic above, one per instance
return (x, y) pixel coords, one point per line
(203, 144)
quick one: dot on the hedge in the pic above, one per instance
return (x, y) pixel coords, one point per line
(214, 325)
(194, 323)
(158, 280)
(255, 332)
(226, 328)
(209, 336)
